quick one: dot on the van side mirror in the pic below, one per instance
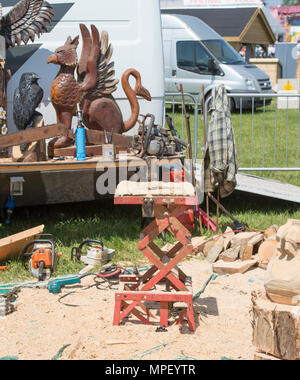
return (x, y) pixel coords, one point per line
(213, 67)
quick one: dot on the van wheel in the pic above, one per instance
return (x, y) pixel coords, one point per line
(232, 105)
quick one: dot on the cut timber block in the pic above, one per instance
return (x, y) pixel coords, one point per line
(198, 243)
(241, 240)
(276, 328)
(222, 267)
(271, 231)
(262, 356)
(210, 244)
(251, 247)
(228, 236)
(230, 254)
(214, 252)
(265, 252)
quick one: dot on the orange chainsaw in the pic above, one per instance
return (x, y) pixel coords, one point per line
(42, 258)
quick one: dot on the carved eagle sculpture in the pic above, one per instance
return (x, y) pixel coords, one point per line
(94, 85)
(24, 21)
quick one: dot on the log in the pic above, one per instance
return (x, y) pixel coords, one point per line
(276, 328)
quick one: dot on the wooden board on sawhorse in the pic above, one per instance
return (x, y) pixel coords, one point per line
(166, 211)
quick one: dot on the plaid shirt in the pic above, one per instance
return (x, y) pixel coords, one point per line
(220, 164)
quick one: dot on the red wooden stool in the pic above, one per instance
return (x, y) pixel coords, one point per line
(135, 291)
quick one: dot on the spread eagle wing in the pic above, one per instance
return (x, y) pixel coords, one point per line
(25, 20)
(95, 63)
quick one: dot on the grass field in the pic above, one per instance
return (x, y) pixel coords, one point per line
(268, 139)
(119, 226)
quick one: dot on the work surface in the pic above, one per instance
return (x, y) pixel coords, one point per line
(70, 163)
(42, 325)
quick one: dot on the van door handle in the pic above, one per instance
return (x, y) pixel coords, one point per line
(174, 73)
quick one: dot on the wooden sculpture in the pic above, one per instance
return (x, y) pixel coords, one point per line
(93, 86)
(22, 23)
(27, 97)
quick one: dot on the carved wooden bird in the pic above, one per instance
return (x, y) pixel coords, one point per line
(24, 21)
(27, 98)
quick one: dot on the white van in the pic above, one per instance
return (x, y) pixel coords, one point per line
(195, 55)
(134, 28)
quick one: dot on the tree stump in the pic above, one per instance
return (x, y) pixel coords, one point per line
(276, 327)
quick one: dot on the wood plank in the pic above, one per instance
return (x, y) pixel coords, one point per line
(222, 267)
(31, 135)
(98, 138)
(91, 151)
(13, 245)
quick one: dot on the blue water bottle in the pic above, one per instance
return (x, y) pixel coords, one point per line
(80, 137)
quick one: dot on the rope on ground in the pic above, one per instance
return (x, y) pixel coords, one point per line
(148, 352)
(60, 352)
(211, 278)
(9, 358)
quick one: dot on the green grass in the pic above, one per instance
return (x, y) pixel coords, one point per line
(255, 135)
(119, 226)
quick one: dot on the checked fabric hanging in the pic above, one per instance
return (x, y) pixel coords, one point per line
(220, 163)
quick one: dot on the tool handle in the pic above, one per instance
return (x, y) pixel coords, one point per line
(43, 241)
(89, 242)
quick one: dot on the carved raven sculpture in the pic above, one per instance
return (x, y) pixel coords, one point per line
(27, 97)
(24, 21)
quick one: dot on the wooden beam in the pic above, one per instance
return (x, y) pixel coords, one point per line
(94, 137)
(91, 151)
(14, 244)
(31, 135)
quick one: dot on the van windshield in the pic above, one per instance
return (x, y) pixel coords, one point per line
(224, 52)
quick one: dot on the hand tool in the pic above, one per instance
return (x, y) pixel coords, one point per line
(54, 286)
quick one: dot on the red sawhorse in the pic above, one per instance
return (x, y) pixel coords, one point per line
(138, 290)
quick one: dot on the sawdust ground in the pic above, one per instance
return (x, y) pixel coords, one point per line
(41, 325)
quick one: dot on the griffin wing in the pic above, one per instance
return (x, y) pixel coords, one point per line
(25, 20)
(105, 83)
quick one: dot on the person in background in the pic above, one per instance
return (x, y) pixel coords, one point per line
(271, 51)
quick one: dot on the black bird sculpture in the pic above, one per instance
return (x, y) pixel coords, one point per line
(27, 98)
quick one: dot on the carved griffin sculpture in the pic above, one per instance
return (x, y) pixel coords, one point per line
(93, 87)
